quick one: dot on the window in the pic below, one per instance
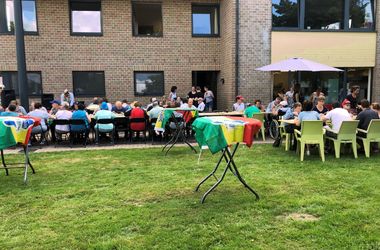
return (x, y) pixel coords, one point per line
(361, 14)
(205, 20)
(10, 81)
(147, 19)
(89, 83)
(149, 83)
(285, 13)
(7, 19)
(86, 17)
(324, 14)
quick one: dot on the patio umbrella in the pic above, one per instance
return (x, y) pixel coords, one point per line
(297, 64)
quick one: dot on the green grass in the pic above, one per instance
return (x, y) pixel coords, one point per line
(139, 199)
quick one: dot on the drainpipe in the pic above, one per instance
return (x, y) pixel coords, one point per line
(20, 51)
(237, 47)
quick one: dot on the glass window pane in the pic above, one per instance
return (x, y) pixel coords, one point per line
(324, 14)
(205, 20)
(89, 84)
(29, 16)
(147, 19)
(149, 83)
(361, 14)
(285, 13)
(360, 77)
(86, 17)
(10, 81)
(9, 11)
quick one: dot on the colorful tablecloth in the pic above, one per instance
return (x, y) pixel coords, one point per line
(166, 114)
(15, 130)
(219, 132)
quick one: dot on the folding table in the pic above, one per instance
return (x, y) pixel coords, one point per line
(16, 131)
(169, 115)
(219, 134)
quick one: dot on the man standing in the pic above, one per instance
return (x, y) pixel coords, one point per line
(68, 97)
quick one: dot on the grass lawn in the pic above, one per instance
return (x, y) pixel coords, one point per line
(138, 199)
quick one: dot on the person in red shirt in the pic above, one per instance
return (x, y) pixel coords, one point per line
(137, 112)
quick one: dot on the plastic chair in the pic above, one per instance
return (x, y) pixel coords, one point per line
(372, 134)
(346, 134)
(78, 127)
(137, 125)
(260, 117)
(311, 133)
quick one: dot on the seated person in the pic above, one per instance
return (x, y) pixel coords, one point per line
(55, 106)
(118, 108)
(137, 112)
(39, 112)
(307, 115)
(320, 107)
(248, 112)
(150, 105)
(19, 109)
(81, 114)
(273, 105)
(155, 110)
(376, 107)
(189, 104)
(259, 105)
(94, 106)
(126, 105)
(337, 116)
(201, 105)
(290, 115)
(239, 105)
(104, 113)
(63, 114)
(11, 111)
(365, 117)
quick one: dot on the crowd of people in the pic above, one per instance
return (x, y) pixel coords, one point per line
(288, 104)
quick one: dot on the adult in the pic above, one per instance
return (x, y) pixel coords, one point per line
(63, 114)
(126, 104)
(307, 115)
(189, 104)
(315, 95)
(137, 112)
(155, 111)
(104, 113)
(173, 94)
(320, 107)
(209, 99)
(291, 114)
(55, 106)
(81, 114)
(366, 116)
(297, 93)
(376, 107)
(19, 109)
(353, 96)
(11, 111)
(118, 108)
(337, 116)
(199, 92)
(94, 106)
(41, 113)
(289, 96)
(68, 97)
(259, 105)
(248, 112)
(201, 105)
(193, 93)
(272, 106)
(150, 105)
(239, 105)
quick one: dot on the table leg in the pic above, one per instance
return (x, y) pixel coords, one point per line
(3, 162)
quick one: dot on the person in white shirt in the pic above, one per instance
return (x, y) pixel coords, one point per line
(68, 97)
(337, 116)
(189, 104)
(63, 114)
(239, 106)
(155, 111)
(201, 105)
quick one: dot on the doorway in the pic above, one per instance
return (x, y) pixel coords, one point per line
(207, 78)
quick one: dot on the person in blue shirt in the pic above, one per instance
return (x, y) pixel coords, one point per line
(118, 108)
(11, 111)
(290, 115)
(81, 114)
(307, 115)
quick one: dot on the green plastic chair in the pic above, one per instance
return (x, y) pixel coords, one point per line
(260, 117)
(287, 136)
(346, 134)
(373, 135)
(311, 133)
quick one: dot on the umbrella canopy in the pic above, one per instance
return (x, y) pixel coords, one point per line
(297, 64)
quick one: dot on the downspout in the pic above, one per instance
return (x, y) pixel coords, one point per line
(237, 47)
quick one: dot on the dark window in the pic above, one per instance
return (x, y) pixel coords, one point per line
(361, 14)
(10, 81)
(86, 17)
(324, 14)
(147, 19)
(89, 83)
(149, 83)
(205, 20)
(7, 19)
(285, 13)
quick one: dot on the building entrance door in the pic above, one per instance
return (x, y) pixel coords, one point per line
(207, 78)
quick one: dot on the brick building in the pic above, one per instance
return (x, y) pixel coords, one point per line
(139, 49)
